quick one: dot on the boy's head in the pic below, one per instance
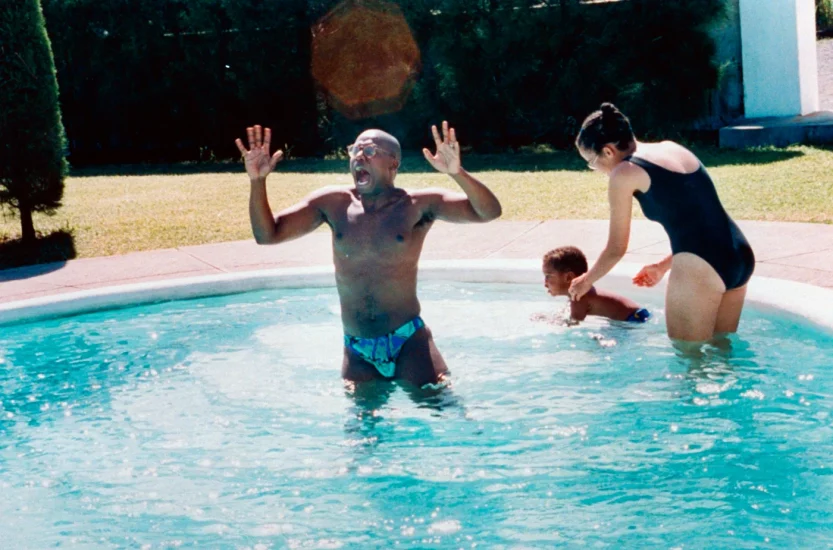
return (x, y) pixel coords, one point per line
(561, 266)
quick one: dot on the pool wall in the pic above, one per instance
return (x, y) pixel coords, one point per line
(807, 301)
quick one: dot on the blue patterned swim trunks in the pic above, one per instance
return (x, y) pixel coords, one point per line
(639, 316)
(382, 351)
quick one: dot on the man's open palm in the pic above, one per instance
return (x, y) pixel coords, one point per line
(447, 159)
(257, 159)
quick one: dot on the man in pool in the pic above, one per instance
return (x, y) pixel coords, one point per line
(378, 231)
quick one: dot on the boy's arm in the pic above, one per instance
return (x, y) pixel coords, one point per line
(613, 306)
(579, 309)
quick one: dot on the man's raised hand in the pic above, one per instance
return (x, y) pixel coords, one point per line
(447, 158)
(257, 159)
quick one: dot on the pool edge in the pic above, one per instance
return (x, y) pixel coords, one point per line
(810, 302)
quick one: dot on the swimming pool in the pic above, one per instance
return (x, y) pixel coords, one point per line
(222, 421)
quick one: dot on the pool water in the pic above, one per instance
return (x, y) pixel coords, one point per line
(223, 422)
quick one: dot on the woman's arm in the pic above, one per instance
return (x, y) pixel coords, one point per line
(623, 182)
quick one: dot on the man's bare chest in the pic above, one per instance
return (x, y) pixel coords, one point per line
(384, 232)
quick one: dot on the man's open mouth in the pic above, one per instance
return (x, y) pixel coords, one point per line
(362, 176)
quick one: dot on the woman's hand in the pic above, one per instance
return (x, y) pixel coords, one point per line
(650, 275)
(580, 286)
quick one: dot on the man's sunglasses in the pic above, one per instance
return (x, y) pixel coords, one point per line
(369, 151)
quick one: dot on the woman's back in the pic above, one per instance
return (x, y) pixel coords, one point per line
(682, 197)
(669, 155)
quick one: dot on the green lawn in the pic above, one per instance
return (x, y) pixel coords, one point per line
(124, 209)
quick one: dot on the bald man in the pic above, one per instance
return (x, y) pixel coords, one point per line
(378, 232)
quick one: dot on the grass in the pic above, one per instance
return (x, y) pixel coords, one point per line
(115, 210)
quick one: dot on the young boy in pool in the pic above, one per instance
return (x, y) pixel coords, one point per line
(564, 264)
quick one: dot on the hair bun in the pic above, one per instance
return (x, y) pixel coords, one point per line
(605, 125)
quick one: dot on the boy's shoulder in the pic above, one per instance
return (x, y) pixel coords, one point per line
(605, 296)
(611, 305)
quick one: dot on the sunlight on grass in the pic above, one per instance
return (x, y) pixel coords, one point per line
(112, 214)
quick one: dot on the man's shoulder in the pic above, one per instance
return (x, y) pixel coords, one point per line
(428, 193)
(332, 192)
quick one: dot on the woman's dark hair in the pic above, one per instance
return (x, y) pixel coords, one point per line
(607, 125)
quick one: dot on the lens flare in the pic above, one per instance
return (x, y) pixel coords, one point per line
(365, 58)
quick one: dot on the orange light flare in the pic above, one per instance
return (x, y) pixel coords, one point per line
(365, 57)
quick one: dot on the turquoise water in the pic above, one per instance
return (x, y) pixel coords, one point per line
(223, 422)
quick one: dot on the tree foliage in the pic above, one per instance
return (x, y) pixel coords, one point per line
(149, 80)
(32, 165)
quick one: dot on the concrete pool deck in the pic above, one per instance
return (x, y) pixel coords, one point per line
(798, 252)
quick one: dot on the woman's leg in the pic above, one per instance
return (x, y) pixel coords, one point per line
(693, 298)
(728, 314)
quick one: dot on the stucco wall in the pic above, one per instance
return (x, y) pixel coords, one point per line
(778, 42)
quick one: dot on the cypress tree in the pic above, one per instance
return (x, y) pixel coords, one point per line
(32, 164)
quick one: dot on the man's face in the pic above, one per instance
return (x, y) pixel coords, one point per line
(371, 164)
(557, 282)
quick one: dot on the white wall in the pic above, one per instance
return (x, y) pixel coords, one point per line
(780, 70)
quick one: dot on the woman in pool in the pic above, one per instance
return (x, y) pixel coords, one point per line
(711, 261)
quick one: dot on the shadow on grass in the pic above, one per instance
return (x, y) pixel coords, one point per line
(714, 156)
(52, 251)
(412, 163)
(164, 169)
(571, 161)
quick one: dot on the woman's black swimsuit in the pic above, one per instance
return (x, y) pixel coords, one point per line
(688, 208)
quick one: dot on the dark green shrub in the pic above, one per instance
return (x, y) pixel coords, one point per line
(32, 165)
(824, 17)
(162, 80)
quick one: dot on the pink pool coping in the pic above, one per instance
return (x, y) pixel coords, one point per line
(800, 252)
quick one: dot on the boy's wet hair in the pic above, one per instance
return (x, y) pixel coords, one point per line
(606, 125)
(566, 258)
